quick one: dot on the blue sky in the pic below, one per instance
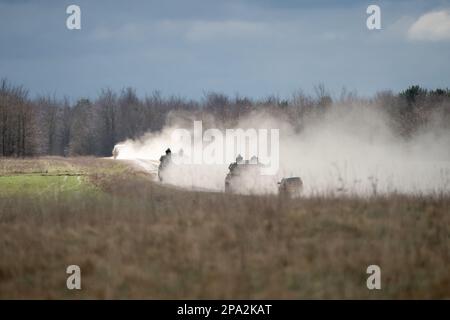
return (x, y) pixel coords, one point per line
(254, 48)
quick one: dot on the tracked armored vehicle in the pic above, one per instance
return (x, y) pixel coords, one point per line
(290, 187)
(244, 176)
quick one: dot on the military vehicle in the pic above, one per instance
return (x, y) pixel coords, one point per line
(290, 187)
(116, 150)
(244, 176)
(164, 162)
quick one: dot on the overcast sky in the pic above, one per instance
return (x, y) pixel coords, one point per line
(250, 47)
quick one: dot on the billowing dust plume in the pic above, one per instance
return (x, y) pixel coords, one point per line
(346, 151)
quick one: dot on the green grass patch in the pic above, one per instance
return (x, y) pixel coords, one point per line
(43, 185)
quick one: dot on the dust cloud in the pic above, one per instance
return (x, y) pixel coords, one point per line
(349, 150)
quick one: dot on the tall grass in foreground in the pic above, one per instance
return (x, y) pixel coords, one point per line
(137, 239)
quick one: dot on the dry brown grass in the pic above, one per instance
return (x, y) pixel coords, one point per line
(138, 239)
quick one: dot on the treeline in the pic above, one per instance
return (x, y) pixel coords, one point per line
(49, 126)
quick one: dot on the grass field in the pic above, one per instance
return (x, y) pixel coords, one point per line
(134, 238)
